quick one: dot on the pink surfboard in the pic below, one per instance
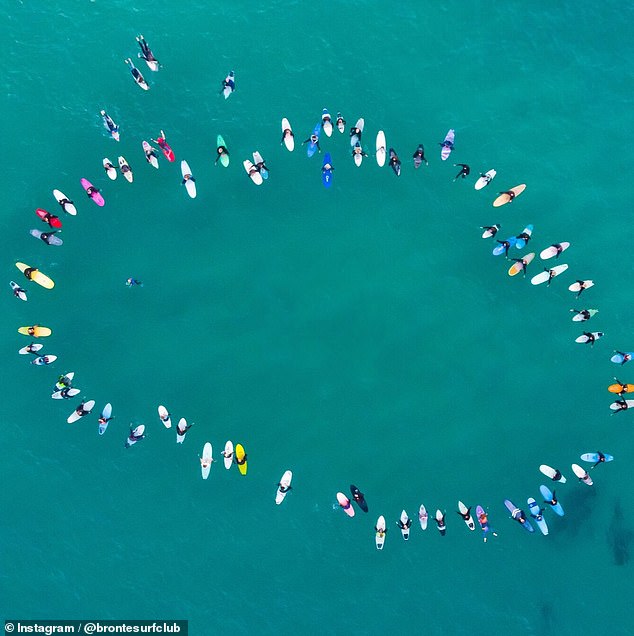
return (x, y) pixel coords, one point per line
(95, 196)
(344, 502)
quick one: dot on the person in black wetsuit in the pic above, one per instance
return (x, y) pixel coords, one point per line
(314, 139)
(221, 150)
(419, 156)
(507, 246)
(464, 170)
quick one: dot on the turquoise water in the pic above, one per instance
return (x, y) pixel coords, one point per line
(358, 335)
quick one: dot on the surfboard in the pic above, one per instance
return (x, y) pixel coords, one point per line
(206, 460)
(576, 286)
(227, 90)
(380, 148)
(440, 522)
(164, 416)
(150, 157)
(423, 517)
(110, 125)
(518, 514)
(463, 510)
(43, 360)
(224, 157)
(138, 78)
(181, 426)
(445, 150)
(35, 331)
(65, 380)
(505, 198)
(51, 240)
(594, 457)
(581, 318)
(17, 290)
(36, 276)
(379, 529)
(583, 339)
(255, 176)
(344, 502)
(395, 163)
(30, 349)
(544, 276)
(126, 171)
(554, 250)
(66, 204)
(289, 139)
(357, 137)
(57, 395)
(548, 497)
(516, 268)
(358, 156)
(619, 358)
(500, 248)
(241, 459)
(490, 231)
(190, 183)
(311, 149)
(404, 519)
(95, 196)
(621, 388)
(484, 180)
(83, 409)
(616, 407)
(135, 435)
(326, 122)
(326, 174)
(536, 514)
(106, 415)
(521, 241)
(552, 473)
(341, 123)
(359, 498)
(484, 523)
(108, 166)
(168, 153)
(51, 219)
(257, 158)
(285, 482)
(228, 454)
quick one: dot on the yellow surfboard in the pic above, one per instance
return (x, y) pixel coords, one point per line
(505, 198)
(516, 268)
(36, 275)
(35, 331)
(241, 459)
(621, 388)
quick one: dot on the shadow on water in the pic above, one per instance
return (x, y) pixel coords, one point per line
(546, 617)
(619, 536)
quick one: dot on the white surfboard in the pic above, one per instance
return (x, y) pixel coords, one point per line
(126, 171)
(554, 250)
(380, 148)
(190, 184)
(150, 158)
(255, 176)
(469, 522)
(33, 349)
(360, 124)
(206, 460)
(41, 361)
(182, 425)
(582, 318)
(21, 294)
(165, 416)
(576, 287)
(543, 277)
(358, 157)
(583, 339)
(138, 433)
(83, 409)
(326, 123)
(108, 166)
(380, 532)
(582, 474)
(404, 530)
(66, 206)
(615, 406)
(57, 395)
(68, 377)
(228, 454)
(483, 181)
(552, 473)
(289, 140)
(423, 517)
(285, 483)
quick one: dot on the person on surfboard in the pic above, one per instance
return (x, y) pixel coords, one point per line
(313, 139)
(590, 339)
(464, 171)
(523, 263)
(182, 431)
(341, 122)
(509, 193)
(582, 286)
(221, 150)
(132, 282)
(626, 357)
(284, 488)
(507, 246)
(524, 236)
(600, 459)
(419, 156)
(229, 82)
(446, 144)
(358, 150)
(287, 132)
(395, 162)
(621, 405)
(356, 131)
(18, 292)
(492, 229)
(146, 53)
(90, 190)
(227, 454)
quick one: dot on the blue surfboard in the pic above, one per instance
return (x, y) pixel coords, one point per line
(312, 147)
(521, 242)
(500, 249)
(618, 358)
(548, 497)
(326, 175)
(518, 515)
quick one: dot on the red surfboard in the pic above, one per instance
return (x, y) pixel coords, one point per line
(49, 218)
(165, 147)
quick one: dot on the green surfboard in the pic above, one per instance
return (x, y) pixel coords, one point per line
(224, 158)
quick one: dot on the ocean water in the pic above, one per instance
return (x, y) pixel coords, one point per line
(362, 334)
